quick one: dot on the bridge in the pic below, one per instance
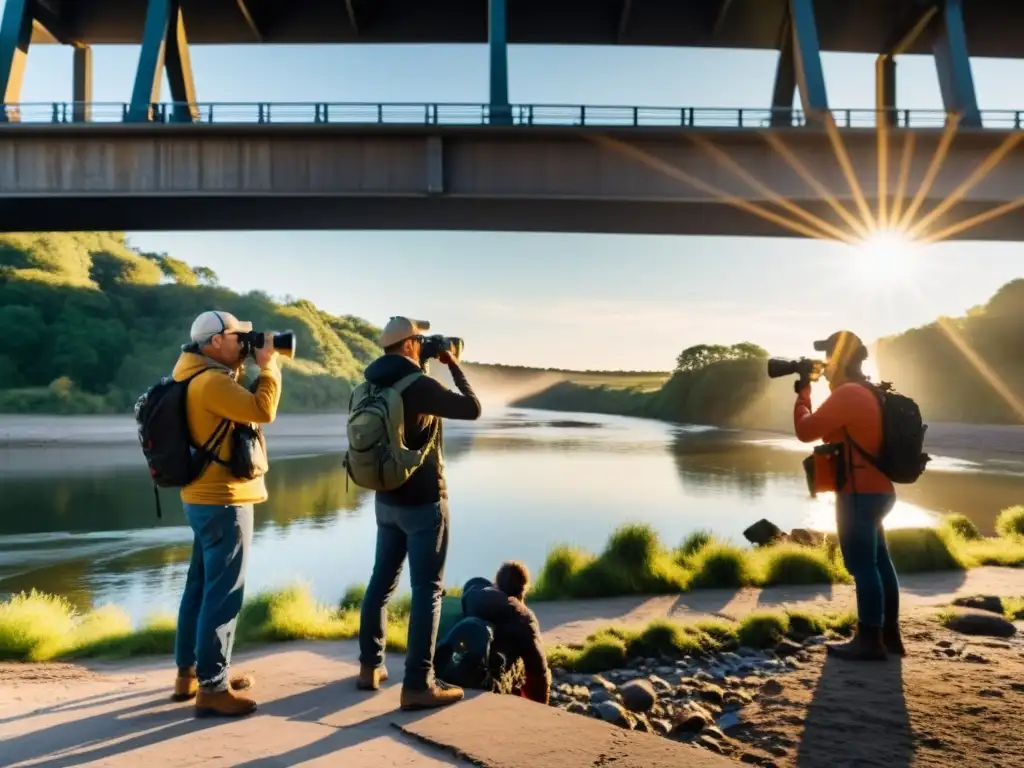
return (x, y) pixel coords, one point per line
(554, 169)
(950, 30)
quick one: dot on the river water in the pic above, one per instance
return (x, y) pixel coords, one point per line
(78, 515)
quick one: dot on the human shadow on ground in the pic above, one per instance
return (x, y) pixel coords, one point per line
(857, 718)
(156, 720)
(74, 705)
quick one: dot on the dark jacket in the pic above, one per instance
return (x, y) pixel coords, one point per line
(516, 632)
(425, 399)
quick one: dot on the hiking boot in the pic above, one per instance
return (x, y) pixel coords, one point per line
(225, 703)
(186, 685)
(893, 640)
(866, 645)
(370, 678)
(437, 695)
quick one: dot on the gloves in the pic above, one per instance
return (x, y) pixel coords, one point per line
(800, 385)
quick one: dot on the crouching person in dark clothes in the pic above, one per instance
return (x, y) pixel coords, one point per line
(516, 631)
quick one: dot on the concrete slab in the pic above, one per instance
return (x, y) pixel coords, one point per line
(509, 732)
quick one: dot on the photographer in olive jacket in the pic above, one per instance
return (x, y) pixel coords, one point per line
(219, 504)
(413, 518)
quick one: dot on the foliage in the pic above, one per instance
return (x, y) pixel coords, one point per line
(635, 562)
(954, 366)
(702, 355)
(92, 323)
(1010, 522)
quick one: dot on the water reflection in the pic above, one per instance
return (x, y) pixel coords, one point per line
(520, 482)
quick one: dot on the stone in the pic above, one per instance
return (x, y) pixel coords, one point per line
(969, 621)
(614, 713)
(638, 695)
(988, 603)
(762, 533)
(661, 726)
(806, 537)
(710, 744)
(577, 708)
(771, 688)
(659, 685)
(976, 658)
(712, 693)
(787, 647)
(730, 721)
(599, 695)
(944, 644)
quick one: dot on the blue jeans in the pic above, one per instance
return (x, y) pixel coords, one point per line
(421, 532)
(214, 589)
(859, 518)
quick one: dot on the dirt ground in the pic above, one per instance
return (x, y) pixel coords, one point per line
(929, 710)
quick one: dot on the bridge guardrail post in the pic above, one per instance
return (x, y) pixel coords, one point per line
(636, 117)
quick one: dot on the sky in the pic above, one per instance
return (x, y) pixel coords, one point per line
(568, 300)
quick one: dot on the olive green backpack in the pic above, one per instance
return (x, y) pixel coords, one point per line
(377, 458)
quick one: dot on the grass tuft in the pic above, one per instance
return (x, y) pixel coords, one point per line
(1010, 523)
(961, 526)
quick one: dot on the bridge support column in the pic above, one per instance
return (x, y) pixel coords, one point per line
(164, 45)
(810, 76)
(785, 81)
(953, 63)
(885, 89)
(497, 38)
(15, 36)
(81, 111)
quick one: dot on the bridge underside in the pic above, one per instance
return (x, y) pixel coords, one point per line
(643, 181)
(864, 26)
(435, 214)
(950, 30)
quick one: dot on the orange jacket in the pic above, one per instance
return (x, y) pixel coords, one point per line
(853, 409)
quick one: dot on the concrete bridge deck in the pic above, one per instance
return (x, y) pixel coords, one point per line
(516, 178)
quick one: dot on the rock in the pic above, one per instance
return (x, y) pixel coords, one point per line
(989, 603)
(703, 676)
(763, 532)
(661, 726)
(730, 721)
(577, 708)
(600, 695)
(642, 725)
(969, 621)
(976, 658)
(944, 644)
(659, 685)
(771, 688)
(991, 693)
(787, 647)
(614, 713)
(712, 693)
(816, 640)
(807, 537)
(597, 681)
(638, 695)
(740, 698)
(710, 744)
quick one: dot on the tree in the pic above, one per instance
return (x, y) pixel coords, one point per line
(206, 276)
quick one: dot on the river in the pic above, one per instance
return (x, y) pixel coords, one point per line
(78, 515)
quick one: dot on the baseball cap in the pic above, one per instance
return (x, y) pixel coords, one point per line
(401, 328)
(846, 343)
(209, 324)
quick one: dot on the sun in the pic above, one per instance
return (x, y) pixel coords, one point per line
(885, 255)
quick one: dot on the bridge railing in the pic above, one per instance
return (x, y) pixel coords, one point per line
(229, 113)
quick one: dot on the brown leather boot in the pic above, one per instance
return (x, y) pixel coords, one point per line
(893, 639)
(866, 645)
(225, 703)
(370, 678)
(186, 685)
(437, 695)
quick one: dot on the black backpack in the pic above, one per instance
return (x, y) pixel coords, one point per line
(174, 459)
(902, 458)
(464, 656)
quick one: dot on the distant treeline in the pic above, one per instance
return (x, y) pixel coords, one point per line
(968, 369)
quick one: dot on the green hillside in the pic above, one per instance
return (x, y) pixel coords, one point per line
(90, 323)
(968, 369)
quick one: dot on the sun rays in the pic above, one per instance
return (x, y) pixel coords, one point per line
(888, 246)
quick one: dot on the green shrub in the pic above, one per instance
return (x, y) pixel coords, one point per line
(1010, 523)
(961, 526)
(721, 566)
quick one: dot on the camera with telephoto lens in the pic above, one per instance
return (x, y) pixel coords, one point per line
(805, 368)
(434, 345)
(283, 343)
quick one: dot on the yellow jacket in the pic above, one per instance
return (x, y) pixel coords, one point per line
(212, 397)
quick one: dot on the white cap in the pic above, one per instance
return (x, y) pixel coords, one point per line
(401, 328)
(209, 324)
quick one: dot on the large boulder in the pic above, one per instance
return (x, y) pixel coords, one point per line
(763, 532)
(969, 621)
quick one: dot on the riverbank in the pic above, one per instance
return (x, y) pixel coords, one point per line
(950, 701)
